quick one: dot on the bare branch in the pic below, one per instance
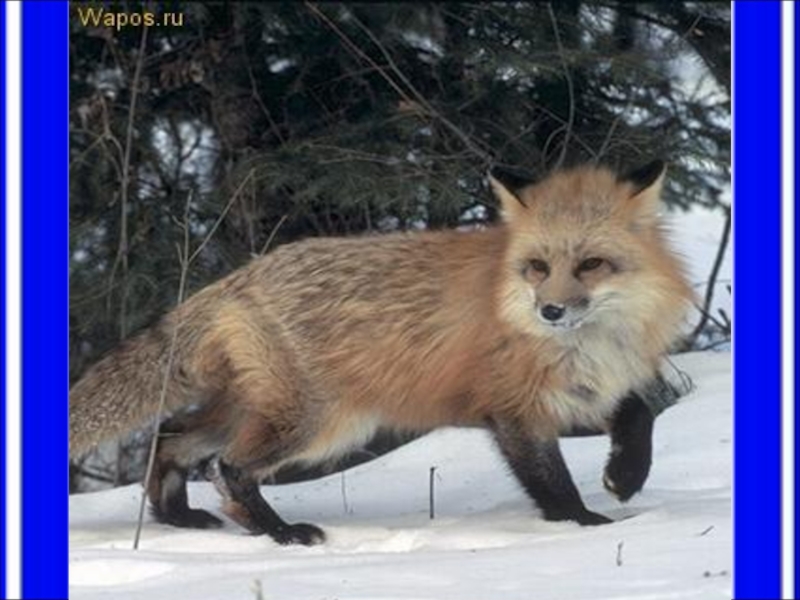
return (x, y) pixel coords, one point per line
(185, 261)
(570, 87)
(272, 234)
(705, 311)
(222, 215)
(122, 249)
(418, 99)
(151, 457)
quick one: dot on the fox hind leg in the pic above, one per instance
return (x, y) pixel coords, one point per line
(276, 419)
(169, 503)
(245, 505)
(260, 444)
(185, 440)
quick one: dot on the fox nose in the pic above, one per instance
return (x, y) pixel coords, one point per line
(552, 312)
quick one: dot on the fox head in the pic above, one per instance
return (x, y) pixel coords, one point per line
(586, 250)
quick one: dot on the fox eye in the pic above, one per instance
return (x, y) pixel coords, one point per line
(590, 264)
(539, 266)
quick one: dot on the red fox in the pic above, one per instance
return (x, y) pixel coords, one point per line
(550, 319)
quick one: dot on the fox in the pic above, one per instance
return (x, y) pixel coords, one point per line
(556, 316)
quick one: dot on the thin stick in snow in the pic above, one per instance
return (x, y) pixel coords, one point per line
(345, 506)
(185, 260)
(183, 256)
(431, 478)
(619, 553)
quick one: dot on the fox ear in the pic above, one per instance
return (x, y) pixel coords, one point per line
(510, 203)
(645, 177)
(646, 183)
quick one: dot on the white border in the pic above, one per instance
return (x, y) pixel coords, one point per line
(787, 297)
(13, 116)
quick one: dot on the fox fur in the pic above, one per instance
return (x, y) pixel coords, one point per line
(530, 327)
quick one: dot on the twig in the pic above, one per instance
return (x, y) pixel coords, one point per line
(431, 494)
(726, 320)
(357, 51)
(272, 234)
(257, 95)
(607, 141)
(122, 250)
(723, 325)
(419, 99)
(705, 311)
(185, 260)
(345, 505)
(466, 139)
(222, 215)
(570, 87)
(706, 530)
(619, 553)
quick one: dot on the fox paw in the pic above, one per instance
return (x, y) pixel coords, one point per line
(584, 517)
(625, 474)
(193, 518)
(298, 533)
(593, 518)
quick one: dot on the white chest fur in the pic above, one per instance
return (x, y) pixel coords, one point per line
(595, 372)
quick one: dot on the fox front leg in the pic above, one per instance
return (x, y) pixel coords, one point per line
(540, 468)
(631, 447)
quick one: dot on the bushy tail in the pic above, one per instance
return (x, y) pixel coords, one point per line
(122, 390)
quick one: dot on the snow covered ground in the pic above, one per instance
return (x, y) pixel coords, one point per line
(674, 540)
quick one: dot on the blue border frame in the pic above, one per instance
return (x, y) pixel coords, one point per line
(3, 288)
(757, 272)
(45, 268)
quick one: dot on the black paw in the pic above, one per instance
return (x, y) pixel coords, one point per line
(625, 474)
(192, 518)
(582, 517)
(299, 533)
(592, 518)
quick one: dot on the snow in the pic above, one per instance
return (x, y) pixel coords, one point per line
(696, 235)
(673, 540)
